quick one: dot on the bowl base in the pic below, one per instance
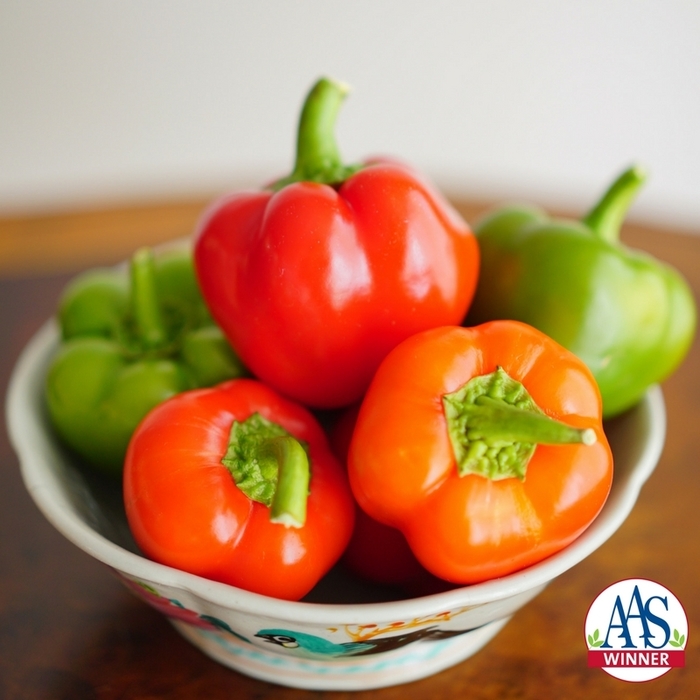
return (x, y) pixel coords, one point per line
(404, 665)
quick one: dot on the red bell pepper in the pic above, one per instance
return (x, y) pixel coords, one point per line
(377, 552)
(484, 446)
(315, 278)
(380, 554)
(238, 485)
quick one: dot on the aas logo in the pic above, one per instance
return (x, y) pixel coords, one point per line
(636, 630)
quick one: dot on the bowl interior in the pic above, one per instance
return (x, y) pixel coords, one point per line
(87, 508)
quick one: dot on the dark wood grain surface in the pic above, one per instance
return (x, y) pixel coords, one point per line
(70, 630)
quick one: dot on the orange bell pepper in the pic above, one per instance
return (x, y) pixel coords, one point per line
(484, 446)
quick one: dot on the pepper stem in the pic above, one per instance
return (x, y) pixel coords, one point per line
(318, 158)
(495, 420)
(145, 305)
(289, 502)
(606, 217)
(271, 467)
(494, 427)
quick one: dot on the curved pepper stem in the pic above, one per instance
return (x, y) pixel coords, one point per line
(495, 420)
(271, 467)
(288, 505)
(318, 158)
(145, 305)
(606, 217)
(494, 427)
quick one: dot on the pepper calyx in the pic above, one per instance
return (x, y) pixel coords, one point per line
(494, 427)
(271, 467)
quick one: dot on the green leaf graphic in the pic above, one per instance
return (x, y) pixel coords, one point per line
(593, 639)
(678, 639)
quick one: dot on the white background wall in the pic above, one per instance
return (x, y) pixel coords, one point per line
(540, 99)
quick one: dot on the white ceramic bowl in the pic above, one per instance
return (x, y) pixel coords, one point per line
(345, 635)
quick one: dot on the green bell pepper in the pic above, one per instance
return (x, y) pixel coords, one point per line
(628, 316)
(130, 340)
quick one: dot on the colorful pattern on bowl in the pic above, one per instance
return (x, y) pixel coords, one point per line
(344, 655)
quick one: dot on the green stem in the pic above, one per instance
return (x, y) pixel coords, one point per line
(289, 502)
(145, 304)
(606, 217)
(494, 427)
(271, 467)
(493, 420)
(318, 158)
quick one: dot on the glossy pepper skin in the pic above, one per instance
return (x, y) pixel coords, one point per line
(443, 449)
(189, 509)
(630, 317)
(130, 339)
(377, 552)
(315, 278)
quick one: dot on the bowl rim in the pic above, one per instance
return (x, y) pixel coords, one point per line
(31, 442)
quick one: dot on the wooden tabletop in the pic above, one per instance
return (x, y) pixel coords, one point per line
(70, 630)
